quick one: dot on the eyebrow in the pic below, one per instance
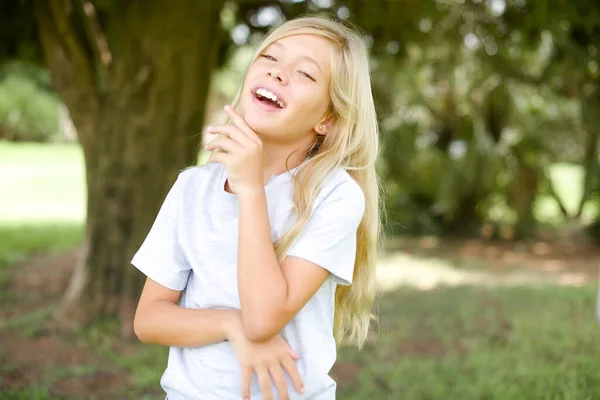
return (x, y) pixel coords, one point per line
(304, 56)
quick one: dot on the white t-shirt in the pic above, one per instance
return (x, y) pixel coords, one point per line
(192, 247)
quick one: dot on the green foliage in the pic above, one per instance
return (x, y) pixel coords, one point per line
(18, 32)
(473, 117)
(476, 98)
(29, 111)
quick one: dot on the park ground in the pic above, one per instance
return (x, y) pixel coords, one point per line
(459, 318)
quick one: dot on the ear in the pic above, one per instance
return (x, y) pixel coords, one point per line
(323, 127)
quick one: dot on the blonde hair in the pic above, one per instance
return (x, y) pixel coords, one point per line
(353, 144)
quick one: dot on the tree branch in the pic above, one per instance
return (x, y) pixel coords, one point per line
(72, 68)
(95, 35)
(58, 12)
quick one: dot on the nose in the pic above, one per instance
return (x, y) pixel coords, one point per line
(278, 75)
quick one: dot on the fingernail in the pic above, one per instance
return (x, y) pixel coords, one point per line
(301, 389)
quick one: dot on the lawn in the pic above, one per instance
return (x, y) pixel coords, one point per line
(520, 328)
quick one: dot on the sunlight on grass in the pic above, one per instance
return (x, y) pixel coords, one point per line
(44, 182)
(427, 273)
(41, 183)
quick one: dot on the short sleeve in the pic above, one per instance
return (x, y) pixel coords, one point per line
(160, 256)
(329, 238)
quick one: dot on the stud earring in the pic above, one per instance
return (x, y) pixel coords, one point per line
(321, 127)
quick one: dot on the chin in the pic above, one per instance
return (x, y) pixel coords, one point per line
(259, 123)
(264, 128)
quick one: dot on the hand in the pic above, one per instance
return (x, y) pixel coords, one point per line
(240, 150)
(267, 359)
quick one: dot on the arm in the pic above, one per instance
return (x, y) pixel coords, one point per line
(160, 320)
(270, 294)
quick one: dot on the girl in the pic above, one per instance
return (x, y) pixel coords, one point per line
(276, 231)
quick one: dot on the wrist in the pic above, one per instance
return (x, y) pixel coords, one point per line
(232, 325)
(251, 192)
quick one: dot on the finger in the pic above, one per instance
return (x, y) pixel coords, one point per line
(233, 132)
(291, 351)
(240, 122)
(222, 158)
(264, 381)
(290, 367)
(246, 381)
(280, 382)
(226, 144)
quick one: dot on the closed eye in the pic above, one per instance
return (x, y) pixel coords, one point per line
(268, 57)
(307, 75)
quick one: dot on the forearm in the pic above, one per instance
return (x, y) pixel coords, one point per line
(261, 284)
(169, 324)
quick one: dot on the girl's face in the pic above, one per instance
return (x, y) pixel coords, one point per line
(286, 91)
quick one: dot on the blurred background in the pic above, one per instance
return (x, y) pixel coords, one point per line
(490, 132)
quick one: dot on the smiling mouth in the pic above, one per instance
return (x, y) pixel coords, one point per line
(267, 97)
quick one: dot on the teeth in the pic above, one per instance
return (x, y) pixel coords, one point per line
(269, 95)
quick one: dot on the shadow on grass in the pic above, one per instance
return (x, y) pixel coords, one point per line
(24, 240)
(21, 240)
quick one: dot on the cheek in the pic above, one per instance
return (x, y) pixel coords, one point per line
(313, 106)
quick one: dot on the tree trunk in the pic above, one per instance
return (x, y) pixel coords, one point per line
(521, 196)
(136, 89)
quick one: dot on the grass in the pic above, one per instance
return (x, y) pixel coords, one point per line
(475, 343)
(465, 342)
(35, 392)
(42, 200)
(31, 170)
(24, 240)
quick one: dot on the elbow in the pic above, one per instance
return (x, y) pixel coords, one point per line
(140, 327)
(258, 334)
(259, 329)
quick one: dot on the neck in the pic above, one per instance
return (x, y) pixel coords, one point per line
(275, 155)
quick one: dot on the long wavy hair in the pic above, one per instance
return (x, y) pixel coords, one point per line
(353, 144)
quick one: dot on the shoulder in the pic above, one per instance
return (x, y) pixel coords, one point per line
(340, 184)
(341, 190)
(198, 174)
(193, 181)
